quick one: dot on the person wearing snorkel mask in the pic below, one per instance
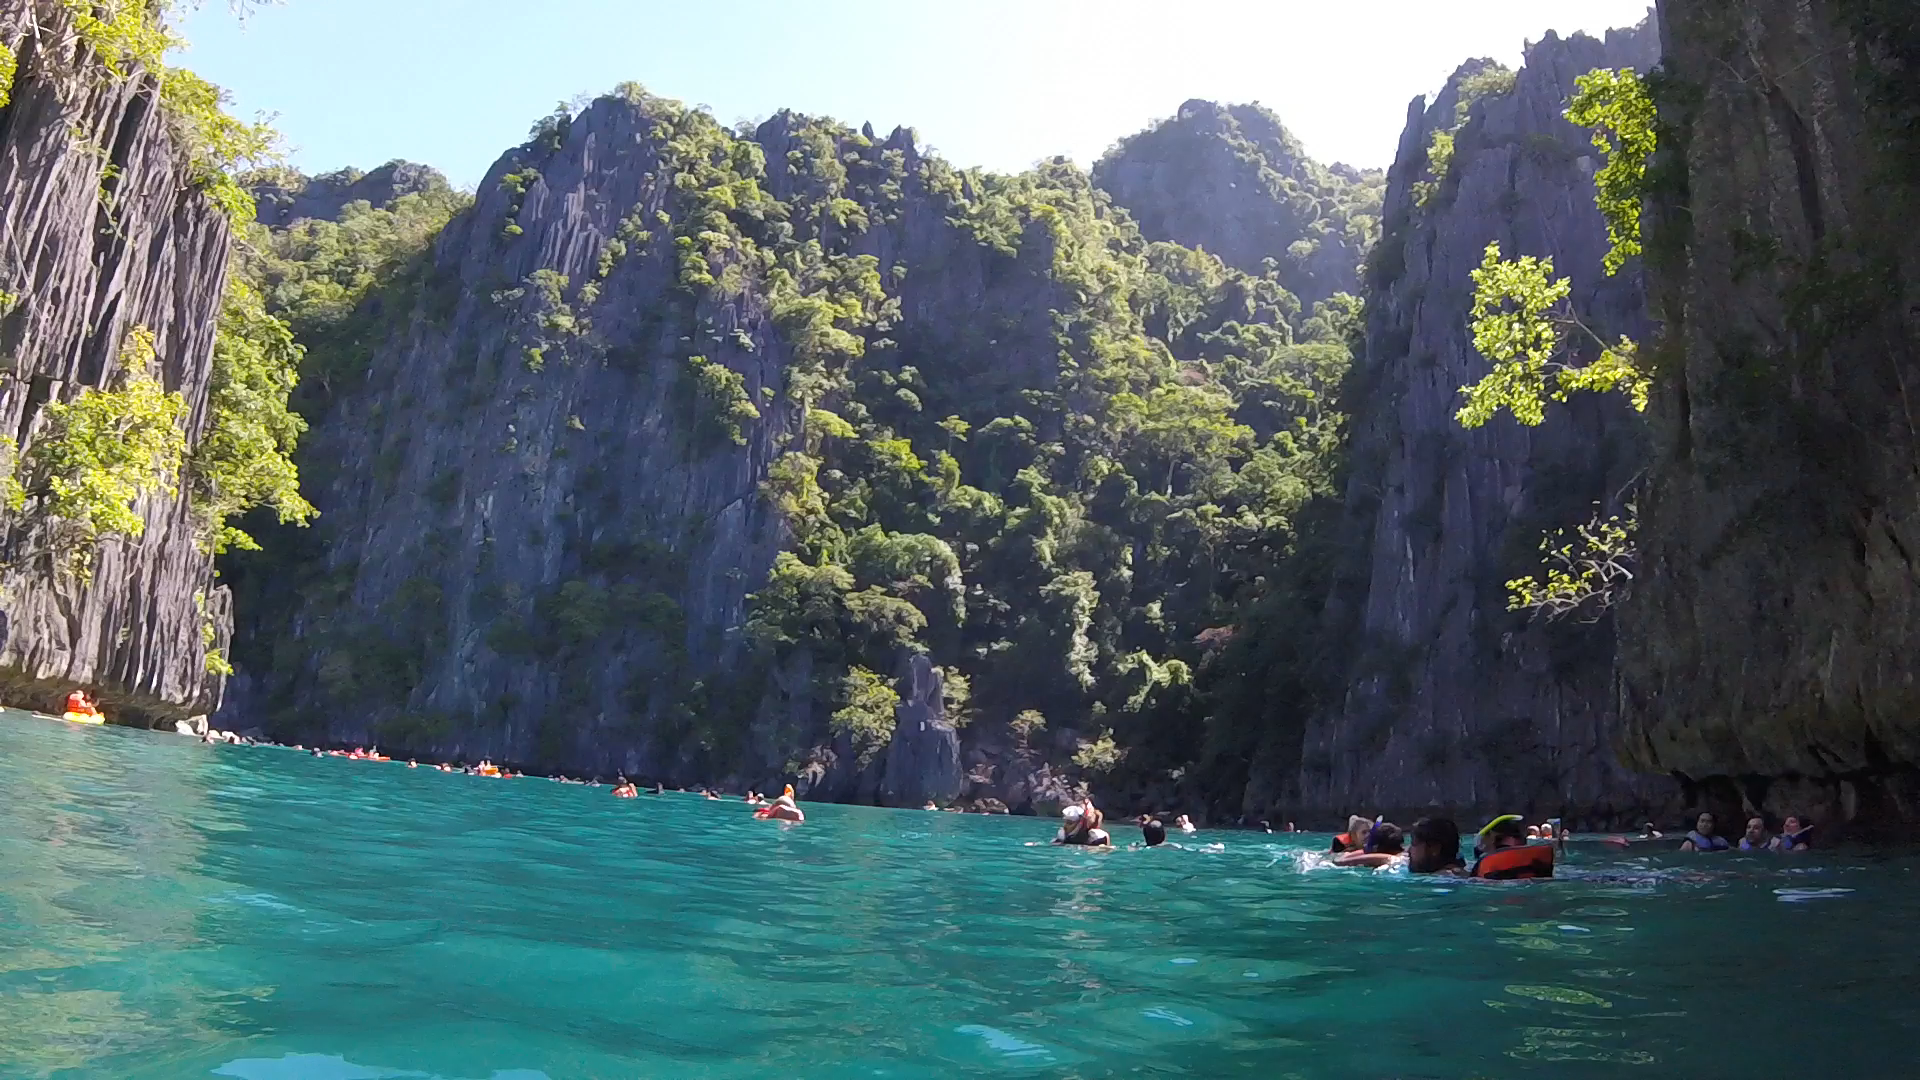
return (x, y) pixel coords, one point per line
(1505, 855)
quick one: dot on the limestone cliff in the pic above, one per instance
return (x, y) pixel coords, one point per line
(1767, 649)
(1450, 699)
(1232, 180)
(655, 356)
(102, 231)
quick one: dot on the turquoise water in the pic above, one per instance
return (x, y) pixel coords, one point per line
(169, 909)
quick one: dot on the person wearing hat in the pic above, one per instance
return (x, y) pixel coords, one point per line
(1505, 855)
(1082, 826)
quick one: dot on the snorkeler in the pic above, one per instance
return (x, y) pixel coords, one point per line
(1505, 855)
(1435, 847)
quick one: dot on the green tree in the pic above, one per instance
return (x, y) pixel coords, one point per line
(1621, 112)
(98, 455)
(867, 715)
(245, 459)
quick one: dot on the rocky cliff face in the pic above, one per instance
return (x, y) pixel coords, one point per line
(656, 355)
(1767, 647)
(103, 232)
(285, 200)
(1450, 700)
(1232, 180)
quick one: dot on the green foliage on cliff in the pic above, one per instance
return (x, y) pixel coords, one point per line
(9, 64)
(98, 454)
(1315, 222)
(1617, 106)
(1522, 322)
(867, 715)
(1586, 569)
(245, 459)
(342, 284)
(1030, 445)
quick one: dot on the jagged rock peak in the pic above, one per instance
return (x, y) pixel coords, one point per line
(287, 196)
(1233, 180)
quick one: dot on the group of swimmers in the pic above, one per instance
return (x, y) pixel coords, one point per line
(1795, 835)
(1504, 850)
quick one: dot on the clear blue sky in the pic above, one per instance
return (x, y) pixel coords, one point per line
(996, 83)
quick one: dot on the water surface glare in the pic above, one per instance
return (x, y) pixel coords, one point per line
(169, 909)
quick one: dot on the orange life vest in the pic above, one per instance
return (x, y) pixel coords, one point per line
(1344, 842)
(1509, 863)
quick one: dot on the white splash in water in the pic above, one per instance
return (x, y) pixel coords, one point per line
(1006, 1043)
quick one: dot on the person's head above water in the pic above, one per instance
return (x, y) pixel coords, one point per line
(1503, 831)
(1791, 826)
(1435, 845)
(1385, 839)
(1357, 827)
(1756, 829)
(1153, 833)
(1704, 824)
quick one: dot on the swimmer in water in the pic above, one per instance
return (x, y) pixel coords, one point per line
(1355, 838)
(1083, 826)
(1185, 824)
(625, 789)
(1152, 833)
(1435, 848)
(783, 808)
(1382, 848)
(1703, 838)
(1795, 835)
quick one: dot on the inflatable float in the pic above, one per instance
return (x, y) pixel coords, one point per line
(83, 718)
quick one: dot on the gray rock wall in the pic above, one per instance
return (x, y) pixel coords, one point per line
(87, 270)
(1450, 699)
(1767, 649)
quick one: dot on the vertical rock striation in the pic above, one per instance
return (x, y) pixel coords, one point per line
(1767, 648)
(101, 231)
(1451, 700)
